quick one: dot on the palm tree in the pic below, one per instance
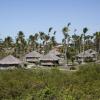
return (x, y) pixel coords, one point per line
(53, 40)
(41, 35)
(46, 39)
(21, 44)
(65, 31)
(8, 42)
(74, 37)
(31, 42)
(97, 41)
(42, 40)
(36, 36)
(80, 42)
(89, 42)
(54, 33)
(84, 32)
(77, 42)
(50, 29)
(1, 48)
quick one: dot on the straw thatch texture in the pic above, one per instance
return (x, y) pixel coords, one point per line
(49, 57)
(33, 54)
(10, 60)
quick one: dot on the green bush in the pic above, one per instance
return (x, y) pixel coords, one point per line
(39, 84)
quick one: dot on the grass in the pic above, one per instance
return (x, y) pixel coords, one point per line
(53, 84)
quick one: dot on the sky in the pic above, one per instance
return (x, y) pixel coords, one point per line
(32, 16)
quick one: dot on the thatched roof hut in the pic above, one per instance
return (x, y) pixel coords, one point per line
(49, 60)
(84, 55)
(32, 57)
(91, 51)
(88, 54)
(10, 61)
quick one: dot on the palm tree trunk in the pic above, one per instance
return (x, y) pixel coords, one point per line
(65, 53)
(83, 48)
(99, 46)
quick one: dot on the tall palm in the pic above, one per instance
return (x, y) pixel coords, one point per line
(53, 39)
(84, 32)
(31, 42)
(41, 35)
(42, 42)
(65, 31)
(21, 44)
(50, 29)
(97, 41)
(46, 39)
(74, 37)
(36, 36)
(1, 48)
(89, 42)
(80, 42)
(8, 42)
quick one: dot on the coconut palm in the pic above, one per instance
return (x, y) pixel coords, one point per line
(65, 31)
(21, 44)
(1, 48)
(8, 42)
(89, 42)
(42, 41)
(50, 29)
(97, 41)
(53, 39)
(74, 37)
(31, 42)
(46, 39)
(84, 32)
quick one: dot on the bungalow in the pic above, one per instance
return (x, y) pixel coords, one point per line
(32, 57)
(88, 55)
(10, 62)
(49, 60)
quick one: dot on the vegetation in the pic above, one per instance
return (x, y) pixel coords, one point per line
(43, 42)
(39, 84)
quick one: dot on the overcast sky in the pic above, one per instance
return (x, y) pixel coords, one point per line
(32, 16)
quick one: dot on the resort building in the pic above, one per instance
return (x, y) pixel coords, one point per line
(10, 62)
(49, 60)
(32, 57)
(88, 55)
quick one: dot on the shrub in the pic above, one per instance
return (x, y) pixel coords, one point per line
(39, 84)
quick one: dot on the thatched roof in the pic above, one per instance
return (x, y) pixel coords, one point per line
(87, 53)
(55, 52)
(10, 60)
(81, 55)
(49, 57)
(91, 51)
(33, 54)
